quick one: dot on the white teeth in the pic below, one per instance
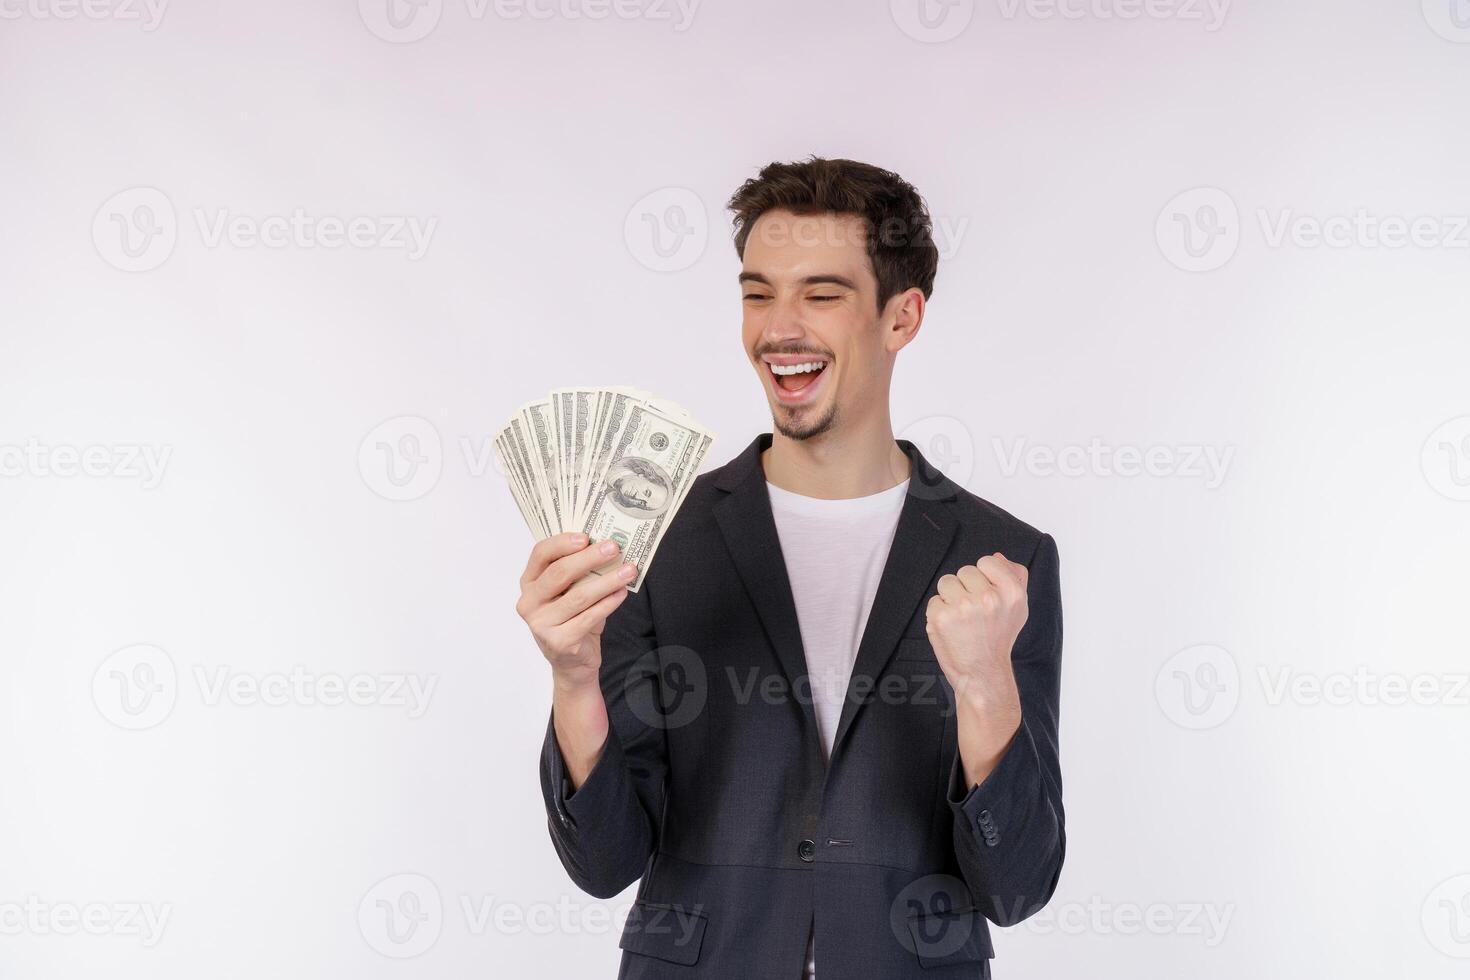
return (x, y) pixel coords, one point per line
(784, 369)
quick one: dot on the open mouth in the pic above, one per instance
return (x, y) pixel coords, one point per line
(793, 376)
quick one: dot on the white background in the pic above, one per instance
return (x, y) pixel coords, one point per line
(1264, 832)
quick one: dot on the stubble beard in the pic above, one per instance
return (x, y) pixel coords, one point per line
(809, 430)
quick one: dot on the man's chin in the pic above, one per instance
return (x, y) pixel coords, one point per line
(803, 425)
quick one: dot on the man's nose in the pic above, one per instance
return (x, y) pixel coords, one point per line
(784, 324)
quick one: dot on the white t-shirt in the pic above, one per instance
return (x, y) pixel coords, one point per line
(835, 551)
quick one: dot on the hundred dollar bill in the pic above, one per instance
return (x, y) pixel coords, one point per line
(517, 492)
(573, 411)
(540, 426)
(652, 464)
(614, 417)
(515, 456)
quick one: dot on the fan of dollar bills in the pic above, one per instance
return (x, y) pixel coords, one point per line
(609, 462)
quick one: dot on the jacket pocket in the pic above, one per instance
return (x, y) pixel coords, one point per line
(666, 932)
(949, 937)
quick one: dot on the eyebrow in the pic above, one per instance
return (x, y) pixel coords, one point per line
(826, 279)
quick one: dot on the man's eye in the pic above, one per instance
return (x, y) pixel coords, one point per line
(756, 296)
(825, 299)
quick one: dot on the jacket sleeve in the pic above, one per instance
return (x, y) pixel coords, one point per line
(1009, 831)
(606, 830)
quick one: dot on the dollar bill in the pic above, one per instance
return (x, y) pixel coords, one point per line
(614, 462)
(653, 463)
(572, 409)
(540, 425)
(516, 458)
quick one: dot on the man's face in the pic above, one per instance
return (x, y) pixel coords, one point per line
(811, 323)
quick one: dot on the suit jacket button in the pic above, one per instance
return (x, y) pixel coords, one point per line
(807, 851)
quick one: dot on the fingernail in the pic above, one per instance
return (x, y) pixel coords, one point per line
(626, 571)
(579, 538)
(609, 548)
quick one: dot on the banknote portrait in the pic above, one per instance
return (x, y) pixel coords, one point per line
(639, 487)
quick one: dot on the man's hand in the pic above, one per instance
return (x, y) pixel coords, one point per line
(973, 623)
(566, 608)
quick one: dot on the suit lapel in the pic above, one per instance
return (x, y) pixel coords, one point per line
(926, 525)
(745, 521)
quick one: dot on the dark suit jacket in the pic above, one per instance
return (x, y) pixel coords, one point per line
(712, 787)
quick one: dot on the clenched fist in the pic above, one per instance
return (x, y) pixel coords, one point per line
(973, 623)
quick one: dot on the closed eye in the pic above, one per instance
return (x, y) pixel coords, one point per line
(825, 299)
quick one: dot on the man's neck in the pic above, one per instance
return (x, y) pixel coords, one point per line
(837, 465)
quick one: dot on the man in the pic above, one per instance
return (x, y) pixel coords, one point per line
(824, 731)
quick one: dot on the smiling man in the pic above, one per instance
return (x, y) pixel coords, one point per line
(823, 734)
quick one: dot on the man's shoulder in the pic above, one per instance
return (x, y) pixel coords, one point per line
(703, 487)
(981, 519)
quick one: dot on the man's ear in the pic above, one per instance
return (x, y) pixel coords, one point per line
(902, 319)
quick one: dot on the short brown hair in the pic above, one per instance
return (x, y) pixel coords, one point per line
(900, 237)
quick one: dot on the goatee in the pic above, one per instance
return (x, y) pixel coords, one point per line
(809, 430)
